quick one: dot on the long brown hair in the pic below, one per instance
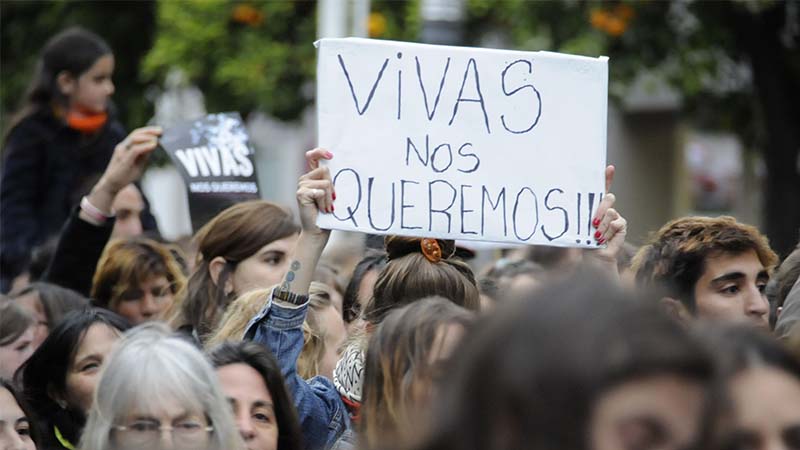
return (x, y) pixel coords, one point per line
(410, 276)
(234, 234)
(397, 360)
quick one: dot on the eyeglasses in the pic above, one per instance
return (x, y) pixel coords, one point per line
(148, 432)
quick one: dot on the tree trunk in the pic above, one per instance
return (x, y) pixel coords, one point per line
(778, 91)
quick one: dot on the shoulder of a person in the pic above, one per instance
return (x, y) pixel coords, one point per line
(34, 128)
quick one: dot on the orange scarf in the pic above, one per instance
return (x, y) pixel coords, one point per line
(86, 122)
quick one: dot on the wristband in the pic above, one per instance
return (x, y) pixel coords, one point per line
(92, 211)
(290, 297)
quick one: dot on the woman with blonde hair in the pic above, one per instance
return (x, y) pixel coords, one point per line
(323, 331)
(234, 322)
(155, 382)
(137, 278)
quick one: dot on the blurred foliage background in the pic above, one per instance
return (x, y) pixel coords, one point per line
(736, 64)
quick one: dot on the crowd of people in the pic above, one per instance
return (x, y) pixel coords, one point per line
(256, 337)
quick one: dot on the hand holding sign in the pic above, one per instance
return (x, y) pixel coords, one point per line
(126, 166)
(315, 191)
(314, 194)
(611, 228)
(216, 160)
(463, 143)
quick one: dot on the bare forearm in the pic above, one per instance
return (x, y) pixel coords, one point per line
(304, 263)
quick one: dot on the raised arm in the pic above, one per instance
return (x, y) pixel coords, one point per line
(314, 194)
(88, 229)
(279, 325)
(610, 229)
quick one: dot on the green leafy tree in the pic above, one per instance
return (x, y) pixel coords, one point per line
(736, 64)
(243, 55)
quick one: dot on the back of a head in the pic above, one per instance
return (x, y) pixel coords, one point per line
(536, 367)
(419, 268)
(150, 370)
(56, 301)
(262, 361)
(397, 361)
(737, 348)
(552, 258)
(234, 234)
(41, 255)
(501, 278)
(674, 257)
(14, 321)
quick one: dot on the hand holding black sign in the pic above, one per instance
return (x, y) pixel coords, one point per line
(216, 160)
(126, 166)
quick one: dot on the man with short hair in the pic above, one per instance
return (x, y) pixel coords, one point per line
(713, 268)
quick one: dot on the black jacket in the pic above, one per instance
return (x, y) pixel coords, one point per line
(47, 168)
(79, 249)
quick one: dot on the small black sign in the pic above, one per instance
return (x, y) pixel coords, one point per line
(217, 162)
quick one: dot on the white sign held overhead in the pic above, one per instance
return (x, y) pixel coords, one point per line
(463, 143)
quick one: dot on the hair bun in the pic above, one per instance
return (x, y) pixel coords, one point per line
(399, 246)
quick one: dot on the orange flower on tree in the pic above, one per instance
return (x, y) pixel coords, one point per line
(613, 22)
(376, 24)
(247, 14)
(599, 18)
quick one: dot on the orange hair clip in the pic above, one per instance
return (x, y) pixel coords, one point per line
(431, 250)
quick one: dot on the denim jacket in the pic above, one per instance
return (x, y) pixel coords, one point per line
(322, 413)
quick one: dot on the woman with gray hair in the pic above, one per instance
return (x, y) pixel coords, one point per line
(158, 391)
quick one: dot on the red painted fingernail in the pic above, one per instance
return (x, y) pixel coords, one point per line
(600, 241)
(596, 222)
(334, 195)
(333, 208)
(597, 234)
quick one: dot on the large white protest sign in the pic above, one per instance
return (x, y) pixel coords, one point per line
(463, 143)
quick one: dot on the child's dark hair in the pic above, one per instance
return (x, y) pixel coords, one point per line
(73, 50)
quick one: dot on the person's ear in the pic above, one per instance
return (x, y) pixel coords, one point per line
(67, 84)
(215, 268)
(676, 309)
